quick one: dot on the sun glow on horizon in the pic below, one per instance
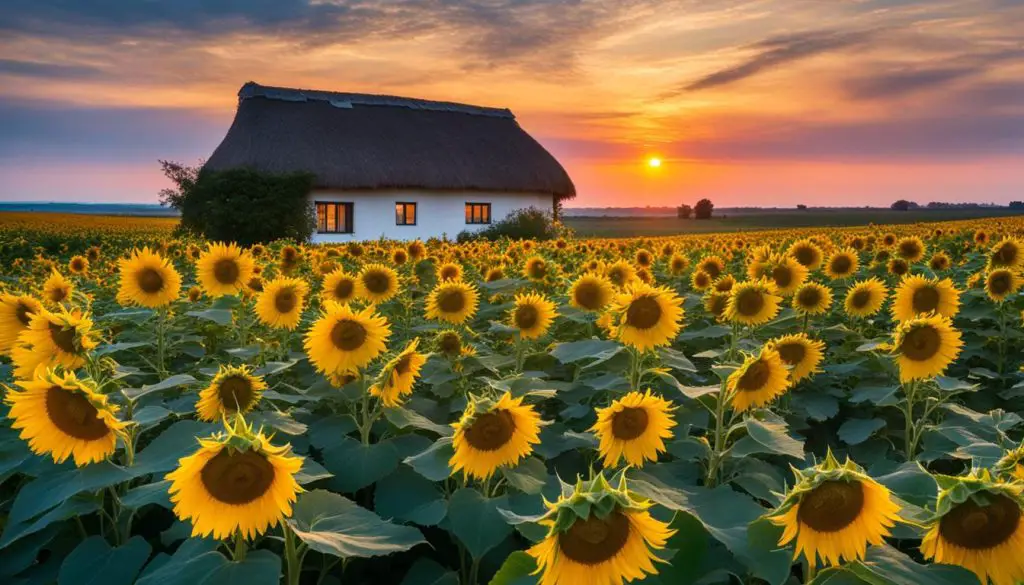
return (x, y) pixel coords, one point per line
(654, 162)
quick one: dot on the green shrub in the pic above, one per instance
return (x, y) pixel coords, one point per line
(522, 224)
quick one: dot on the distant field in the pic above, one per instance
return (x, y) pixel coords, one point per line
(615, 227)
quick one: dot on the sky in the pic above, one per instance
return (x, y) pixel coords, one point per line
(748, 103)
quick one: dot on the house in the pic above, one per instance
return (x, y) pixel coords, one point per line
(393, 167)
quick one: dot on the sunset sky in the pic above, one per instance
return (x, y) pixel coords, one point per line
(759, 102)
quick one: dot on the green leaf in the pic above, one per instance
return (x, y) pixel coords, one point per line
(409, 497)
(163, 452)
(334, 525)
(48, 491)
(433, 463)
(675, 360)
(218, 316)
(311, 471)
(276, 419)
(476, 521)
(857, 430)
(516, 570)
(150, 493)
(116, 347)
(197, 562)
(93, 562)
(165, 384)
(403, 417)
(884, 565)
(588, 349)
(768, 437)
(530, 476)
(70, 508)
(426, 571)
(356, 465)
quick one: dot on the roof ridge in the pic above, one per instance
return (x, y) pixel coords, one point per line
(347, 100)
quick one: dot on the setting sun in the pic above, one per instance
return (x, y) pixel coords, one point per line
(654, 162)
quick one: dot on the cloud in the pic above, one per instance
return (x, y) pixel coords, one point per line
(906, 81)
(36, 69)
(777, 51)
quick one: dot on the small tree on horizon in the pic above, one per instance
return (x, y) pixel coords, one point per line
(903, 205)
(684, 211)
(703, 209)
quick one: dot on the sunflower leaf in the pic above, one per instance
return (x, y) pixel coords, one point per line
(334, 525)
(93, 562)
(476, 521)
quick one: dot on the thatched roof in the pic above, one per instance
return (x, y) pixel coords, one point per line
(359, 141)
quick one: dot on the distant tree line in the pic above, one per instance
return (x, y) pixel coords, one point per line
(904, 205)
(702, 210)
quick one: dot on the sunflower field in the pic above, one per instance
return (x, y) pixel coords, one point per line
(795, 406)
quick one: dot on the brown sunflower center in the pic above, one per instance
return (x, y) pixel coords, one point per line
(1000, 282)
(377, 282)
(921, 343)
(449, 273)
(450, 343)
(400, 257)
(595, 540)
(150, 280)
(717, 303)
(629, 423)
(537, 269)
(899, 267)
(63, 338)
(809, 297)
(588, 295)
(909, 249)
(831, 506)
(526, 316)
(226, 271)
(348, 335)
(491, 430)
(237, 478)
(755, 377)
(617, 275)
(451, 301)
(289, 255)
(343, 289)
(702, 279)
(841, 264)
(712, 269)
(749, 302)
(977, 527)
(1006, 254)
(643, 313)
(805, 255)
(23, 312)
(285, 300)
(643, 259)
(678, 264)
(74, 415)
(404, 364)
(925, 299)
(495, 274)
(58, 294)
(77, 264)
(792, 353)
(782, 276)
(235, 393)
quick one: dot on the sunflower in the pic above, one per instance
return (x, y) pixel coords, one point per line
(865, 298)
(678, 264)
(939, 261)
(224, 269)
(634, 428)
(532, 315)
(833, 512)
(494, 274)
(343, 340)
(281, 301)
(713, 265)
(416, 250)
(535, 268)
(233, 390)
(591, 292)
(916, 295)
(15, 315)
(801, 353)
(449, 271)
(924, 346)
(78, 265)
(842, 264)
(812, 299)
(898, 267)
(715, 303)
(492, 434)
(452, 301)
(1001, 283)
(977, 525)
(397, 377)
(724, 283)
(753, 302)
(911, 249)
(62, 416)
(339, 287)
(643, 258)
(61, 338)
(760, 379)
(399, 256)
(194, 294)
(147, 280)
(646, 317)
(93, 253)
(236, 482)
(700, 280)
(598, 535)
(786, 273)
(377, 283)
(1011, 465)
(807, 253)
(621, 273)
(1006, 254)
(57, 289)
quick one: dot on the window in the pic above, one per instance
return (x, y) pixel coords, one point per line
(478, 213)
(405, 213)
(333, 218)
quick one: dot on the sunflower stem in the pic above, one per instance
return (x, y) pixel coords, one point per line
(161, 342)
(909, 427)
(810, 571)
(292, 559)
(240, 547)
(1002, 338)
(474, 572)
(717, 449)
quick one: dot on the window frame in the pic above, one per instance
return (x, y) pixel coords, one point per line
(403, 215)
(471, 205)
(349, 225)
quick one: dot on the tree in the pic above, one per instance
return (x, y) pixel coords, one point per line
(240, 205)
(904, 205)
(801, 206)
(1017, 205)
(684, 211)
(703, 209)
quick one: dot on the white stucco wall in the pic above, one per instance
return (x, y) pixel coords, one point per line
(437, 212)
